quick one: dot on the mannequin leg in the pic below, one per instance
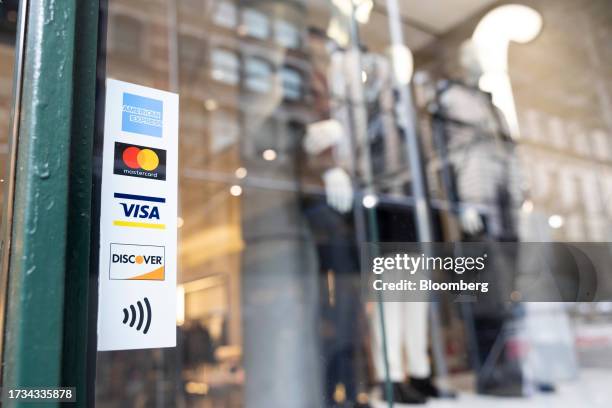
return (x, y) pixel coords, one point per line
(393, 321)
(415, 336)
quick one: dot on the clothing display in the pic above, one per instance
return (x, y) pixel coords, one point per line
(406, 324)
(327, 157)
(483, 169)
(406, 333)
(480, 174)
(341, 311)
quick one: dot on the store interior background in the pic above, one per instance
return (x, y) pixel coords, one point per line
(244, 71)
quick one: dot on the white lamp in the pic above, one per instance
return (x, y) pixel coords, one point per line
(491, 38)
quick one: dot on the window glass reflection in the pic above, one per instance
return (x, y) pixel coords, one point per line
(292, 83)
(225, 66)
(126, 37)
(258, 75)
(286, 34)
(224, 131)
(8, 28)
(255, 24)
(225, 14)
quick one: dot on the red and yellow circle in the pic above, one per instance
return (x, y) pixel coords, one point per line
(145, 159)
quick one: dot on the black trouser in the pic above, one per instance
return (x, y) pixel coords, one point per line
(341, 309)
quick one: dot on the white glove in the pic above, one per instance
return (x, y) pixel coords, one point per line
(338, 189)
(470, 220)
(322, 135)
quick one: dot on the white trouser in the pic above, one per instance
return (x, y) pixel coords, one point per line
(405, 331)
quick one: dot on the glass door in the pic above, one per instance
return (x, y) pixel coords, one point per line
(276, 195)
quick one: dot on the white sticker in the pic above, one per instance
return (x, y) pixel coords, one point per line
(138, 219)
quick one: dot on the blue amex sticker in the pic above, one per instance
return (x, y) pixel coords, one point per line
(142, 115)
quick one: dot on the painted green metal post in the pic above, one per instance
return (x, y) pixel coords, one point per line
(46, 317)
(74, 364)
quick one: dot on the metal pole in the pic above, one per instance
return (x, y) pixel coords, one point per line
(46, 309)
(407, 122)
(365, 218)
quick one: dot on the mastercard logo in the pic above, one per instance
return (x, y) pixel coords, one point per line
(140, 161)
(136, 158)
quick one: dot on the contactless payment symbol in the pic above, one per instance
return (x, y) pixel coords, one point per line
(137, 262)
(139, 315)
(139, 161)
(142, 115)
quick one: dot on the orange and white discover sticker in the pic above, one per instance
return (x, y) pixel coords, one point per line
(138, 218)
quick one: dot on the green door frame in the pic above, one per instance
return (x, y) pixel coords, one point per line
(46, 320)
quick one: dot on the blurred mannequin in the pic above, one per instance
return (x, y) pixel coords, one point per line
(327, 161)
(482, 181)
(328, 145)
(481, 153)
(406, 323)
(328, 137)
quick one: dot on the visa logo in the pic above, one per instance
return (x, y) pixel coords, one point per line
(140, 211)
(140, 215)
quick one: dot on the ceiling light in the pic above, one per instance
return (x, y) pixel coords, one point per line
(491, 39)
(241, 172)
(370, 201)
(269, 155)
(555, 221)
(210, 105)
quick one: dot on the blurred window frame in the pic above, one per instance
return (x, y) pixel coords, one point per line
(136, 44)
(225, 66)
(225, 14)
(286, 34)
(255, 23)
(258, 74)
(292, 82)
